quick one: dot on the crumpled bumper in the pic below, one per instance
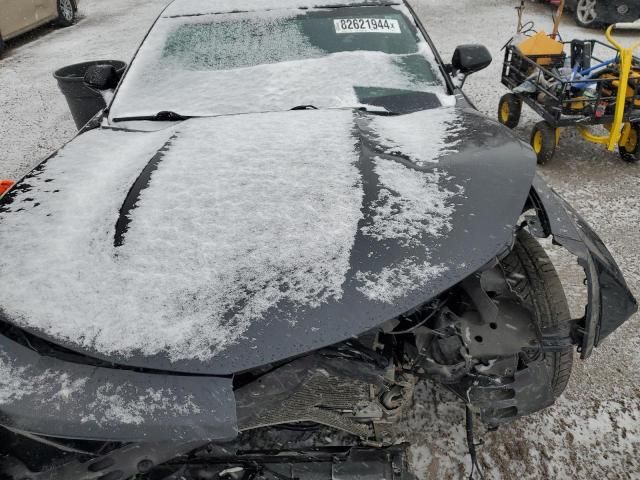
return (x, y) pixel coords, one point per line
(53, 397)
(610, 303)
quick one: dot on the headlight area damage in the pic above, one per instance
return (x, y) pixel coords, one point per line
(501, 339)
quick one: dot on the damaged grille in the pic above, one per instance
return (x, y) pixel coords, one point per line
(323, 399)
(355, 397)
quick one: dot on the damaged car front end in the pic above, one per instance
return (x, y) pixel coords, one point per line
(254, 291)
(270, 422)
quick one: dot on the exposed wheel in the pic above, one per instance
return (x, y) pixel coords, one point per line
(539, 286)
(630, 152)
(585, 13)
(543, 140)
(66, 13)
(509, 110)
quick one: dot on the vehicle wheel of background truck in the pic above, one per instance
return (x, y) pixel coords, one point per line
(631, 151)
(509, 109)
(535, 281)
(543, 140)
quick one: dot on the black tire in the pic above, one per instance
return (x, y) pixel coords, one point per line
(543, 141)
(631, 151)
(509, 110)
(585, 13)
(540, 288)
(2, 46)
(66, 13)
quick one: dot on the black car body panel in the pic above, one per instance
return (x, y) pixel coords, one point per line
(493, 169)
(66, 399)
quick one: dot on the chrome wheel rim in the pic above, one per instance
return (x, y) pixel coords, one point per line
(586, 11)
(66, 9)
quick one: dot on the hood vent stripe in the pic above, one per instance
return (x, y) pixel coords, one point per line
(131, 200)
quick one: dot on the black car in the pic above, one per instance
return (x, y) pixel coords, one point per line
(287, 216)
(595, 13)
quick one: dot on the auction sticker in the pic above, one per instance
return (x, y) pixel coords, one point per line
(366, 25)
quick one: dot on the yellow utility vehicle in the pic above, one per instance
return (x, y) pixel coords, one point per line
(585, 84)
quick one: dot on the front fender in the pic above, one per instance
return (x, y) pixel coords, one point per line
(610, 303)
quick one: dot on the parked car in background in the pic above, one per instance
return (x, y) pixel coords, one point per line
(20, 16)
(597, 13)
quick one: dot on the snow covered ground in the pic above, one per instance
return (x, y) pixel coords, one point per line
(594, 430)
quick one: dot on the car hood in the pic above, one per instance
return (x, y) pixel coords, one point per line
(220, 244)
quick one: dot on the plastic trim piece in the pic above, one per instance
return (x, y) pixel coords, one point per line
(610, 302)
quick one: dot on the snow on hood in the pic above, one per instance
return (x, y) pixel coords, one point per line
(410, 204)
(242, 214)
(198, 7)
(395, 281)
(400, 135)
(261, 230)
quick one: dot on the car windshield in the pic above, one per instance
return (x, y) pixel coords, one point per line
(220, 64)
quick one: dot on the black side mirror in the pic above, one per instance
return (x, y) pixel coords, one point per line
(469, 59)
(101, 77)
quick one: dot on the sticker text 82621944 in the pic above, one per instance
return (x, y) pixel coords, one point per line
(366, 25)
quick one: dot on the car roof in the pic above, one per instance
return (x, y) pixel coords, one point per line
(203, 7)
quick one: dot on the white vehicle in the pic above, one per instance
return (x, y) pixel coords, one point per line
(20, 16)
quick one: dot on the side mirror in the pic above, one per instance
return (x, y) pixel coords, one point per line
(101, 77)
(469, 59)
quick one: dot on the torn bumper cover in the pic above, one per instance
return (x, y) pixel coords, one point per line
(45, 395)
(610, 303)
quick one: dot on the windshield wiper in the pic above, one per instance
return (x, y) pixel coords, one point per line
(374, 111)
(377, 111)
(163, 116)
(304, 107)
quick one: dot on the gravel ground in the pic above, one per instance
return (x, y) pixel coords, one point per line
(594, 429)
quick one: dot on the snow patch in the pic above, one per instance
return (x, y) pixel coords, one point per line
(226, 230)
(411, 205)
(13, 383)
(16, 383)
(112, 404)
(423, 136)
(397, 281)
(121, 404)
